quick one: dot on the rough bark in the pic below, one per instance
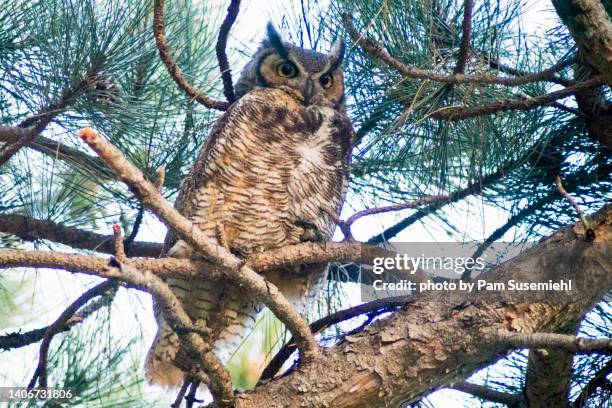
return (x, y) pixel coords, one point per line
(436, 341)
(591, 27)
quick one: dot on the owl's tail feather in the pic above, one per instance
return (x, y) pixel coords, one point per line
(159, 366)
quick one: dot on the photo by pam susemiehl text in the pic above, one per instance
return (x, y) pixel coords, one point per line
(477, 285)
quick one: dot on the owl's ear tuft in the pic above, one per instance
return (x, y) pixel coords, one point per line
(337, 54)
(275, 41)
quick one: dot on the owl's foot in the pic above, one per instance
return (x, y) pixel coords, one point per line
(311, 232)
(181, 250)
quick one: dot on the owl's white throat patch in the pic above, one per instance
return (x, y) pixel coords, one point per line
(311, 157)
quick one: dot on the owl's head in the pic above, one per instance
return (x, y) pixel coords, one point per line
(311, 76)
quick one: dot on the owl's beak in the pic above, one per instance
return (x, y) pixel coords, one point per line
(308, 91)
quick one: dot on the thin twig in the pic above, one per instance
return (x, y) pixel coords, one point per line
(464, 48)
(173, 69)
(118, 243)
(460, 112)
(486, 393)
(37, 123)
(181, 394)
(226, 72)
(589, 233)
(135, 228)
(373, 48)
(191, 397)
(57, 150)
(17, 340)
(58, 326)
(568, 342)
(345, 226)
(318, 326)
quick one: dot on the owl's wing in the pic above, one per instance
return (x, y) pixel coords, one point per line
(198, 174)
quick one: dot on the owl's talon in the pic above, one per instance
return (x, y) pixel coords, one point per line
(311, 232)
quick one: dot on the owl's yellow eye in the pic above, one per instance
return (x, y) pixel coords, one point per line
(287, 69)
(326, 80)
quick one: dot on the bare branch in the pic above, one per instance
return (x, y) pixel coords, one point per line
(226, 72)
(464, 48)
(590, 235)
(373, 48)
(568, 342)
(59, 325)
(317, 327)
(345, 226)
(37, 123)
(220, 383)
(452, 113)
(474, 187)
(17, 340)
(486, 393)
(173, 69)
(55, 149)
(181, 394)
(30, 229)
(234, 268)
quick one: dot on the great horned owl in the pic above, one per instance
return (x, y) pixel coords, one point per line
(273, 172)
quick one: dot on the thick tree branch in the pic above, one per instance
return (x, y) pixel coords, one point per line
(436, 341)
(173, 69)
(591, 27)
(234, 267)
(318, 326)
(567, 342)
(375, 49)
(226, 26)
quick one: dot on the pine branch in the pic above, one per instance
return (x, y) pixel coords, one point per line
(371, 47)
(226, 72)
(452, 113)
(30, 229)
(57, 150)
(345, 226)
(486, 393)
(59, 325)
(37, 123)
(318, 326)
(173, 69)
(305, 253)
(474, 187)
(18, 340)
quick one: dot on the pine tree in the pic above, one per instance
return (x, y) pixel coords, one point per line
(448, 97)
